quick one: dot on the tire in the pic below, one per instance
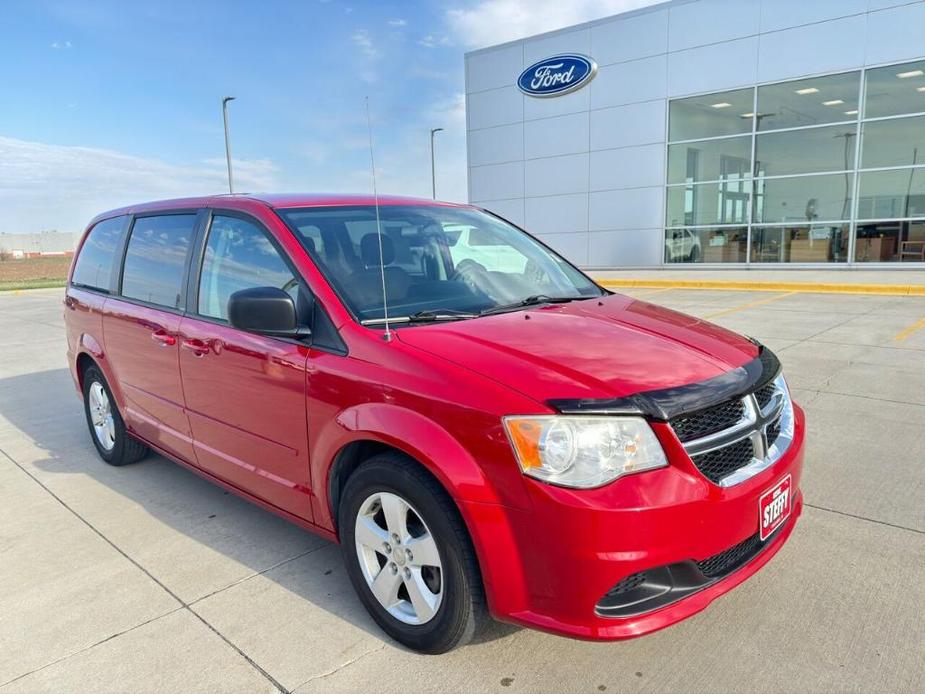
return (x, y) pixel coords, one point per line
(453, 597)
(113, 442)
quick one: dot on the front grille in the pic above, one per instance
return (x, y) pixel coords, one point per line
(728, 560)
(708, 421)
(764, 394)
(773, 431)
(717, 464)
(627, 584)
(738, 433)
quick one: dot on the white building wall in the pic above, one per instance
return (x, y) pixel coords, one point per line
(585, 171)
(39, 242)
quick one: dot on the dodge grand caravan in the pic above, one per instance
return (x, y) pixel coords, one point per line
(483, 429)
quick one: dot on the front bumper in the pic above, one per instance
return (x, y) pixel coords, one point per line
(551, 567)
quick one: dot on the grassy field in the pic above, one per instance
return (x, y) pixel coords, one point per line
(33, 273)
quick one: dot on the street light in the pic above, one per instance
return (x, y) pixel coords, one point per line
(433, 174)
(228, 142)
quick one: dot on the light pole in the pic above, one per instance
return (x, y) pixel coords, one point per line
(433, 173)
(228, 142)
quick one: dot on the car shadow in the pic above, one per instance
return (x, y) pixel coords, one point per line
(43, 407)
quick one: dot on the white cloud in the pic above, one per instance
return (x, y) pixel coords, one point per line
(403, 162)
(46, 186)
(58, 45)
(495, 21)
(450, 112)
(362, 40)
(397, 22)
(431, 41)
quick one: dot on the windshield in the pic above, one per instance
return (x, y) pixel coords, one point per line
(437, 260)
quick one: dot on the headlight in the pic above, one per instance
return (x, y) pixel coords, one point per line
(583, 451)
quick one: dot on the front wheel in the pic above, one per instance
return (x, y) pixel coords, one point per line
(107, 429)
(409, 556)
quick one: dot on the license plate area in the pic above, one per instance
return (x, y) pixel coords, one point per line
(774, 507)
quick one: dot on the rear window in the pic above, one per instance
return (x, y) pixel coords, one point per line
(155, 260)
(97, 258)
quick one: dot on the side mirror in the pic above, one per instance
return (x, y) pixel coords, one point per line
(265, 310)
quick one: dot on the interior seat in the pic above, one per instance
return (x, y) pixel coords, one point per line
(366, 283)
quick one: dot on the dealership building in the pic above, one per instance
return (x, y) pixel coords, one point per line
(724, 132)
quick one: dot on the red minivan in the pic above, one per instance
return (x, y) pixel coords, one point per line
(481, 427)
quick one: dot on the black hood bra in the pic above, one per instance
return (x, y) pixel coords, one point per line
(667, 403)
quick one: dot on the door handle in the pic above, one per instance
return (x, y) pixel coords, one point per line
(163, 338)
(199, 348)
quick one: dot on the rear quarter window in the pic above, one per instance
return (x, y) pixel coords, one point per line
(97, 259)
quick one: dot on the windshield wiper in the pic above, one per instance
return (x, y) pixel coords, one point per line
(533, 300)
(442, 314)
(428, 316)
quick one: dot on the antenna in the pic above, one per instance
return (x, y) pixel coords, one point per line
(387, 336)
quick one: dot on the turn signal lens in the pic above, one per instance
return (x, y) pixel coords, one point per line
(583, 452)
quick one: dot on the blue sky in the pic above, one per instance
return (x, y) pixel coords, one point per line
(104, 103)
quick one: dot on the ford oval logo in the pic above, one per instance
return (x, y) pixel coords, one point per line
(557, 75)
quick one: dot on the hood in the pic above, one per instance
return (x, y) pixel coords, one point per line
(610, 347)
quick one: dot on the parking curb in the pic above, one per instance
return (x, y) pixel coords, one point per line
(737, 285)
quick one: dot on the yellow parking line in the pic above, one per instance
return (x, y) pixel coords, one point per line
(750, 304)
(761, 286)
(652, 291)
(914, 328)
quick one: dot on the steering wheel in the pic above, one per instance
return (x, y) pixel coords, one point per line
(471, 273)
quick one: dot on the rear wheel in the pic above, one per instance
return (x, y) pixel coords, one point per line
(409, 556)
(107, 430)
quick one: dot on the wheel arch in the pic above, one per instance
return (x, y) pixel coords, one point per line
(359, 432)
(84, 362)
(90, 353)
(347, 460)
(342, 445)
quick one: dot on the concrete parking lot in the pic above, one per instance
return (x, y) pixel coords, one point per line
(147, 578)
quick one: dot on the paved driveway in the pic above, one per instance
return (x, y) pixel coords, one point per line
(147, 578)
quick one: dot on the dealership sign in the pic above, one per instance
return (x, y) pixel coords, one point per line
(560, 74)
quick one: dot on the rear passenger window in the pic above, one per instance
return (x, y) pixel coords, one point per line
(238, 256)
(155, 260)
(94, 265)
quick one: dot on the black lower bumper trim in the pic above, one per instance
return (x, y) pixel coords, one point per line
(651, 589)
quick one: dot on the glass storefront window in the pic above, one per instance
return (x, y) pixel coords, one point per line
(895, 90)
(892, 194)
(791, 182)
(715, 245)
(890, 241)
(805, 151)
(714, 115)
(709, 160)
(803, 198)
(804, 243)
(709, 203)
(893, 142)
(808, 102)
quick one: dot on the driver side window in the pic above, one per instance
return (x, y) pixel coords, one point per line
(238, 255)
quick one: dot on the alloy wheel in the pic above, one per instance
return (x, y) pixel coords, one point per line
(399, 558)
(104, 427)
